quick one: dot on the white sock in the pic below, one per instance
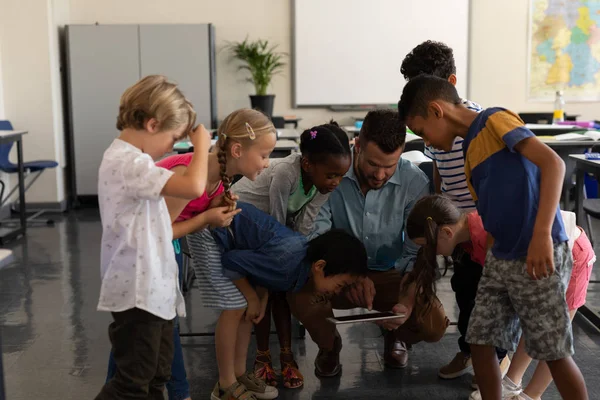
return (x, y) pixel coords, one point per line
(525, 397)
(511, 385)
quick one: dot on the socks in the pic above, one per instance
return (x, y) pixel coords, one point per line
(510, 384)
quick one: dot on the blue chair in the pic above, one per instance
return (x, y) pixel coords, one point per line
(33, 168)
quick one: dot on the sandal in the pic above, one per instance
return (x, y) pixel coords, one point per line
(292, 378)
(263, 370)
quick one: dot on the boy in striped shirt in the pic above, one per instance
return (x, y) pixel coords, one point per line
(437, 59)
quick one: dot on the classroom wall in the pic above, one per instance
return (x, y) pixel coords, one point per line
(31, 87)
(498, 67)
(30, 79)
(233, 20)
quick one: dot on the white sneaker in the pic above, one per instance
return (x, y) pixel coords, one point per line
(507, 393)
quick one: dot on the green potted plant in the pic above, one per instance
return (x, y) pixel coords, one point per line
(263, 62)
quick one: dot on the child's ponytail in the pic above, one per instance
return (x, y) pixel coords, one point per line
(424, 221)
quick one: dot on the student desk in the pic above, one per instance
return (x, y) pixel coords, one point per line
(564, 149)
(553, 129)
(6, 233)
(291, 134)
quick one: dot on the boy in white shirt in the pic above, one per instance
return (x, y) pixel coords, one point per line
(138, 267)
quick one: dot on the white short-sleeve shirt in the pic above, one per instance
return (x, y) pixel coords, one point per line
(138, 266)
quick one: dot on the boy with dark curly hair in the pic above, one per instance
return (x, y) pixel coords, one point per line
(437, 59)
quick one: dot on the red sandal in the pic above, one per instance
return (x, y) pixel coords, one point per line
(263, 370)
(292, 378)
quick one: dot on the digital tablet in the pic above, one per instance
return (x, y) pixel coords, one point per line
(369, 317)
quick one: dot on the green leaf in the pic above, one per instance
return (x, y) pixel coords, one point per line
(259, 59)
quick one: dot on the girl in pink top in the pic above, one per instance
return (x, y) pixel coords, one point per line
(200, 204)
(438, 225)
(246, 139)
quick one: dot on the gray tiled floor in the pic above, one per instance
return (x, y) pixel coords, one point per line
(55, 343)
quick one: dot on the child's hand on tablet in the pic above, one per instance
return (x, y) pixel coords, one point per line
(393, 324)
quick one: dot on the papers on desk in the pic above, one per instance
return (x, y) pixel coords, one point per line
(416, 157)
(411, 136)
(549, 127)
(572, 137)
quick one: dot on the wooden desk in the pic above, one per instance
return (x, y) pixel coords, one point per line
(6, 233)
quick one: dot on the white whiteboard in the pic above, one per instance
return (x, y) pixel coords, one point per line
(349, 52)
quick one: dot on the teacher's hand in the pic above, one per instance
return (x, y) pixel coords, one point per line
(362, 293)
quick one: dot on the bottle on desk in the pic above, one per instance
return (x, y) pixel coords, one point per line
(559, 108)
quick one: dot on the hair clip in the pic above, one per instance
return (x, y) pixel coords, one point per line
(313, 135)
(224, 136)
(250, 131)
(429, 219)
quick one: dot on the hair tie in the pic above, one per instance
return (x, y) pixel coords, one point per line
(313, 135)
(250, 131)
(429, 219)
(224, 136)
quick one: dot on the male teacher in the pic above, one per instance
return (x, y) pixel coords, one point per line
(372, 202)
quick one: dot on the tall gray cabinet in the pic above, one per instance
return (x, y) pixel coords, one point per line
(103, 60)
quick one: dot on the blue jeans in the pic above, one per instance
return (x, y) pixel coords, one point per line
(178, 386)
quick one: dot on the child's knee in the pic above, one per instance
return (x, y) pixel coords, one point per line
(233, 314)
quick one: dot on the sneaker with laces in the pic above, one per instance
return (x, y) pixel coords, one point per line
(460, 365)
(258, 387)
(237, 391)
(508, 392)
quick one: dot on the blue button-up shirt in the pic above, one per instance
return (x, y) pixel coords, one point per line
(378, 218)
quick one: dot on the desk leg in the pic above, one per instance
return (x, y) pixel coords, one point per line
(22, 208)
(2, 394)
(579, 196)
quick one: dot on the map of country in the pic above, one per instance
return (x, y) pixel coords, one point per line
(565, 49)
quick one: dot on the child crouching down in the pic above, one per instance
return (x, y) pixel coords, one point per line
(236, 266)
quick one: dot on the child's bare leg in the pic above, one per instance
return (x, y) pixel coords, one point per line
(542, 377)
(292, 378)
(226, 334)
(519, 363)
(487, 370)
(263, 329)
(568, 379)
(244, 332)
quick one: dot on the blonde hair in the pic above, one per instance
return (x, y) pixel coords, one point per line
(155, 97)
(242, 126)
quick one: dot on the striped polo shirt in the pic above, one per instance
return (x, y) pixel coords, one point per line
(451, 166)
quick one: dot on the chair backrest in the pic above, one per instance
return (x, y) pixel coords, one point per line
(278, 122)
(5, 148)
(427, 167)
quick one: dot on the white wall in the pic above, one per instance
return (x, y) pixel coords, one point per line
(29, 61)
(30, 68)
(1, 90)
(498, 67)
(233, 20)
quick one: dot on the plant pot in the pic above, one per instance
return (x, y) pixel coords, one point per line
(263, 103)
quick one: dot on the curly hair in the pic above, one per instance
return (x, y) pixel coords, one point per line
(431, 58)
